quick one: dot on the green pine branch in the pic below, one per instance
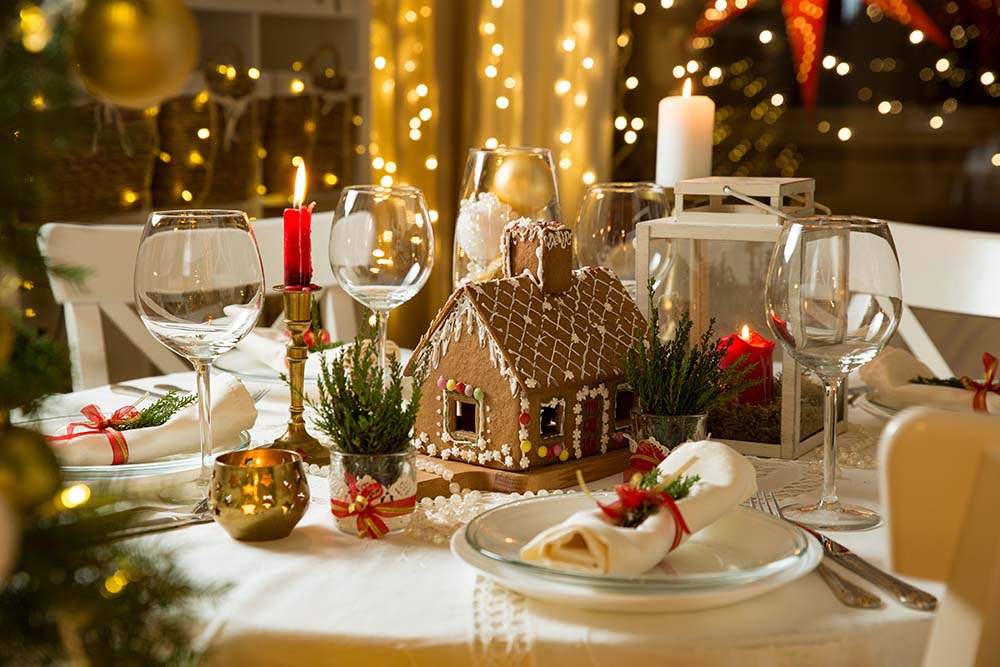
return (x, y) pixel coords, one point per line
(161, 411)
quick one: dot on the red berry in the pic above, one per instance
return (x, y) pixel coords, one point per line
(460, 387)
(324, 336)
(525, 418)
(309, 338)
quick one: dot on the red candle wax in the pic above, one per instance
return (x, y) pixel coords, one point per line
(760, 352)
(293, 253)
(305, 244)
(298, 236)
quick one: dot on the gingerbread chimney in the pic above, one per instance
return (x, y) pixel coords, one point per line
(542, 249)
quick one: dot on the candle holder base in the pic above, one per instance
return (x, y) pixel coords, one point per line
(297, 439)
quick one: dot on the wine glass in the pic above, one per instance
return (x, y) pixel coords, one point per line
(381, 248)
(605, 229)
(199, 289)
(833, 299)
(500, 185)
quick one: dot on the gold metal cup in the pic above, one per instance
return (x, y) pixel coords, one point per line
(258, 494)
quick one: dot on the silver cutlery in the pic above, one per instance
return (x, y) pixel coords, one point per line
(132, 390)
(906, 594)
(255, 395)
(172, 519)
(846, 591)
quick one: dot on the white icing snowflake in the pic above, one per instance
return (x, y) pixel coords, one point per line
(432, 449)
(531, 383)
(573, 338)
(445, 454)
(601, 329)
(508, 461)
(525, 462)
(569, 374)
(505, 449)
(424, 437)
(608, 307)
(546, 305)
(577, 408)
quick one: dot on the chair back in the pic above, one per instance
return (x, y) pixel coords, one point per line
(950, 270)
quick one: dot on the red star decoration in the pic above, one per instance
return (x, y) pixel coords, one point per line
(805, 24)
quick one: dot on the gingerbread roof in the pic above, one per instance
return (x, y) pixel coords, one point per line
(538, 340)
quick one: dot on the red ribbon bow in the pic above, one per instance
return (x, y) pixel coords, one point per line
(646, 455)
(632, 497)
(364, 504)
(986, 387)
(109, 426)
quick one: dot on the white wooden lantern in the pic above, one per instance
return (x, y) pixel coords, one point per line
(717, 248)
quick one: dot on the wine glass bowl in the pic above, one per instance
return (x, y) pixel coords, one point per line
(381, 247)
(199, 289)
(834, 299)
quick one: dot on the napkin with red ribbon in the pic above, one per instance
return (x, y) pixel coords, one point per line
(368, 504)
(891, 373)
(590, 541)
(97, 440)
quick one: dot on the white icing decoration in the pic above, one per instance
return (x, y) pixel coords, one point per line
(583, 394)
(508, 461)
(525, 461)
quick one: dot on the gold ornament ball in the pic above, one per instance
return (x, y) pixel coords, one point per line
(29, 470)
(135, 53)
(525, 183)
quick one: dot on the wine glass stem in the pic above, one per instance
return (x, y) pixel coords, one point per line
(383, 338)
(204, 420)
(830, 501)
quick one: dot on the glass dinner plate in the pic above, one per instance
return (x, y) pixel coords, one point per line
(742, 547)
(167, 465)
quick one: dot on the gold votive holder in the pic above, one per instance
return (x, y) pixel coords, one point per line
(258, 494)
(298, 319)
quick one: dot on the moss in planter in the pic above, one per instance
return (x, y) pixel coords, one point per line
(761, 422)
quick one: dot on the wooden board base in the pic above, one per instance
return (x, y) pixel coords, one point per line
(556, 476)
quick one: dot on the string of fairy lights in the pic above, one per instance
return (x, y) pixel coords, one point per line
(768, 106)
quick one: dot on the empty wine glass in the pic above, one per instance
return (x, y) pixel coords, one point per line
(500, 185)
(381, 248)
(833, 299)
(199, 289)
(605, 230)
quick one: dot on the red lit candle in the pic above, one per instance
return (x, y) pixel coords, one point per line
(759, 353)
(298, 235)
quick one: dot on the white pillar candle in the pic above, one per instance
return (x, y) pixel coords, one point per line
(684, 137)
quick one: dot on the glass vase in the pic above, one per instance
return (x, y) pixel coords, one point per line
(668, 430)
(372, 496)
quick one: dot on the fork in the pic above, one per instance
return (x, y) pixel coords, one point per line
(846, 591)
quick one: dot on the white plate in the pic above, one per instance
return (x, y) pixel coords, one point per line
(735, 540)
(243, 365)
(872, 403)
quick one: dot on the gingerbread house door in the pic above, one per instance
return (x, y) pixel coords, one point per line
(590, 425)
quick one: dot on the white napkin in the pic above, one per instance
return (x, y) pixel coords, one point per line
(233, 411)
(268, 347)
(589, 542)
(891, 371)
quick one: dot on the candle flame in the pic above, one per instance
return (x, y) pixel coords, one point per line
(687, 87)
(300, 185)
(745, 333)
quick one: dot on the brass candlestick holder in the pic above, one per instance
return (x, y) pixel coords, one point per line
(298, 318)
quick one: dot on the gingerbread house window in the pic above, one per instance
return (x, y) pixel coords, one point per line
(624, 402)
(551, 415)
(463, 418)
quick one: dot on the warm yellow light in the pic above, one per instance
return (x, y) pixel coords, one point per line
(409, 66)
(390, 167)
(715, 72)
(995, 160)
(666, 4)
(916, 36)
(686, 92)
(425, 114)
(489, 28)
(297, 86)
(230, 73)
(296, 160)
(637, 123)
(565, 136)
(565, 163)
(414, 123)
(379, 62)
(201, 98)
(621, 123)
(38, 101)
(987, 78)
(204, 133)
(497, 4)
(745, 333)
(777, 99)
(630, 137)
(378, 163)
(253, 73)
(297, 66)
(823, 127)
(330, 179)
(491, 143)
(563, 86)
(221, 69)
(497, 49)
(679, 71)
(884, 107)
(164, 156)
(568, 44)
(386, 181)
(510, 83)
(843, 68)
(186, 195)
(195, 158)
(632, 83)
(942, 65)
(580, 99)
(693, 66)
(490, 71)
(422, 90)
(431, 162)
(299, 194)
(261, 189)
(622, 40)
(129, 196)
(829, 62)
(589, 177)
(410, 16)
(936, 122)
(588, 63)
(502, 102)
(765, 36)
(844, 133)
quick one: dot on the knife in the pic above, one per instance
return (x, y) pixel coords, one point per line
(907, 595)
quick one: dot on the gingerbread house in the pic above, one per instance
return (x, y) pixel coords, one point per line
(526, 370)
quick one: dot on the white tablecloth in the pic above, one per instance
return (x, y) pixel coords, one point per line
(320, 597)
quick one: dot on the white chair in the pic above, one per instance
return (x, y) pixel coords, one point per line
(107, 253)
(941, 492)
(949, 270)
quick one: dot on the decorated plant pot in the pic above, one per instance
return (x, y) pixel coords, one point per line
(668, 430)
(372, 496)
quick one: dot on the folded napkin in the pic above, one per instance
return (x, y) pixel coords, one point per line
(891, 371)
(233, 411)
(588, 541)
(268, 347)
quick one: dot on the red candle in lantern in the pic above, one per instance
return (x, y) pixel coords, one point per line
(760, 352)
(298, 235)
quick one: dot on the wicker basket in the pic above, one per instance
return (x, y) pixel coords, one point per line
(316, 124)
(196, 168)
(103, 168)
